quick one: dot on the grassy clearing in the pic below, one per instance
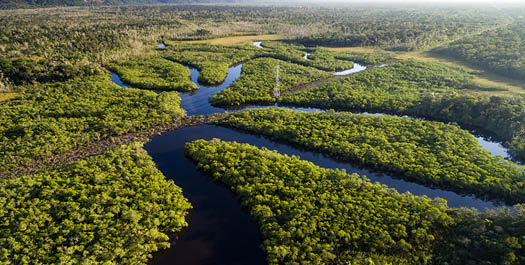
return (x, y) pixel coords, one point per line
(6, 96)
(237, 40)
(355, 49)
(482, 77)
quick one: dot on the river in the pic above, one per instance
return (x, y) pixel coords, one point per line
(220, 231)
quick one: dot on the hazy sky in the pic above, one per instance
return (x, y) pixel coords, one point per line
(430, 1)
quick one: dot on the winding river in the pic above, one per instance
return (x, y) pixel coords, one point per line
(219, 231)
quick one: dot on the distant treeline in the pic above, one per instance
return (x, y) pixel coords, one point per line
(56, 3)
(501, 50)
(57, 44)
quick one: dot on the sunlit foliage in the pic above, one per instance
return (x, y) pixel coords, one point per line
(154, 73)
(427, 152)
(51, 119)
(115, 208)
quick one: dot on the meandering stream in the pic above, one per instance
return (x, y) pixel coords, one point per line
(219, 231)
(357, 67)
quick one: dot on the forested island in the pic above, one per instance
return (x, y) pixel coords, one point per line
(141, 132)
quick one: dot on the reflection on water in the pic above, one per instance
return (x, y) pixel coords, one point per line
(116, 79)
(357, 68)
(258, 44)
(219, 231)
(196, 102)
(306, 54)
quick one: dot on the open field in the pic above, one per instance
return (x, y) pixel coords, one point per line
(355, 49)
(482, 77)
(236, 40)
(6, 96)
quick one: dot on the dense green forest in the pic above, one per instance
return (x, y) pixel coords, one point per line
(311, 215)
(59, 44)
(53, 118)
(154, 73)
(58, 3)
(318, 216)
(500, 50)
(257, 83)
(427, 152)
(211, 60)
(33, 46)
(395, 88)
(403, 29)
(115, 208)
(319, 58)
(427, 90)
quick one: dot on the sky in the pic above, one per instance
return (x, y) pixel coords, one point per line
(497, 2)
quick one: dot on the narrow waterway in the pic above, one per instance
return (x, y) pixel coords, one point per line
(357, 67)
(258, 44)
(219, 231)
(116, 79)
(196, 103)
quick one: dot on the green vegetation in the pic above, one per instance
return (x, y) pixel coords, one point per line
(335, 61)
(398, 28)
(154, 73)
(394, 88)
(310, 215)
(211, 60)
(116, 208)
(491, 238)
(423, 89)
(20, 71)
(51, 119)
(235, 38)
(257, 82)
(499, 50)
(427, 152)
(319, 58)
(6, 96)
(61, 43)
(51, 45)
(502, 117)
(322, 58)
(54, 3)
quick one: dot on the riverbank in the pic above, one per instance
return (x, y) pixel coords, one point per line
(99, 147)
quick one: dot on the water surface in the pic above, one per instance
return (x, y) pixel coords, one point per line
(196, 102)
(357, 68)
(116, 79)
(220, 231)
(258, 44)
(306, 54)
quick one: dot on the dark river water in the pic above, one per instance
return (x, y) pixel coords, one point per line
(220, 231)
